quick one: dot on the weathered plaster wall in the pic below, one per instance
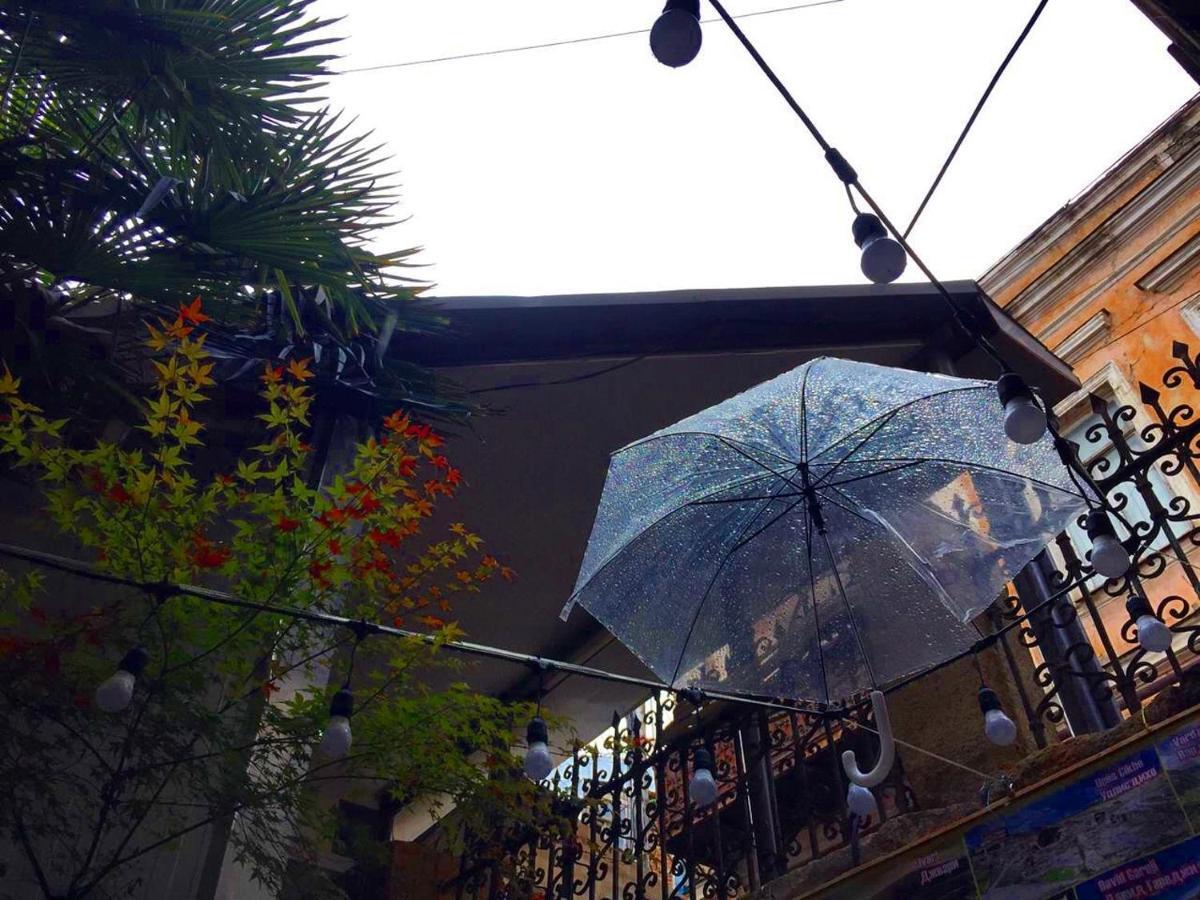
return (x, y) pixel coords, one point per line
(1112, 281)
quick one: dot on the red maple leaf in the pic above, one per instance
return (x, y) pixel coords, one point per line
(118, 494)
(284, 524)
(191, 313)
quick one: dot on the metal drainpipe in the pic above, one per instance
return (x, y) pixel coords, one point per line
(1056, 636)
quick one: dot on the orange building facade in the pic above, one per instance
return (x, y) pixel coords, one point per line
(1110, 283)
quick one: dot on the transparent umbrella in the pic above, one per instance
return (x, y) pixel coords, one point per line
(832, 531)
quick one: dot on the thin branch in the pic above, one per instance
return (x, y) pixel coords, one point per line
(30, 853)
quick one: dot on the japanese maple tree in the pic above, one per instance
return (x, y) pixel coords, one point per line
(226, 714)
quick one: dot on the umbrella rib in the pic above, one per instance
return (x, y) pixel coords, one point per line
(747, 499)
(812, 593)
(968, 465)
(898, 409)
(620, 550)
(733, 445)
(899, 468)
(728, 441)
(837, 577)
(847, 507)
(879, 423)
(712, 581)
(804, 410)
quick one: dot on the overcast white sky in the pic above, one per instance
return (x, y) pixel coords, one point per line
(594, 168)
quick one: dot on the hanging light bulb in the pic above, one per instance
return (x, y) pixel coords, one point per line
(538, 763)
(1109, 556)
(999, 728)
(115, 693)
(861, 801)
(1152, 633)
(1024, 420)
(703, 787)
(883, 259)
(676, 37)
(337, 739)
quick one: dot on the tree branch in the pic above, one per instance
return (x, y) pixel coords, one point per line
(30, 853)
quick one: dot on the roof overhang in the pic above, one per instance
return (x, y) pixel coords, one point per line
(492, 330)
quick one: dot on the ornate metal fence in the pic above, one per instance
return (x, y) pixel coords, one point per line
(633, 833)
(1090, 667)
(636, 833)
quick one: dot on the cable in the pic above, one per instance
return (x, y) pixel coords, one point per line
(573, 379)
(565, 43)
(975, 113)
(362, 628)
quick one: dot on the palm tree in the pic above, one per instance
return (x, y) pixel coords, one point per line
(154, 152)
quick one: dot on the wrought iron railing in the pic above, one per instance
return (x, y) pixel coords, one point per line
(635, 834)
(638, 835)
(1090, 667)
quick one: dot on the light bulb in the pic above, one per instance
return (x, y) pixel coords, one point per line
(1109, 556)
(883, 260)
(1024, 420)
(703, 788)
(336, 742)
(861, 801)
(676, 37)
(999, 728)
(538, 763)
(115, 692)
(1153, 634)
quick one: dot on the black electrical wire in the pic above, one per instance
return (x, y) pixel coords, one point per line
(565, 43)
(975, 114)
(362, 629)
(846, 174)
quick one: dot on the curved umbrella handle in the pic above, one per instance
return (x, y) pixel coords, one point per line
(887, 748)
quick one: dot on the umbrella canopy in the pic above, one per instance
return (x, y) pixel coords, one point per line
(833, 530)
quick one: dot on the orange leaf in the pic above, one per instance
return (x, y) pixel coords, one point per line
(298, 369)
(191, 313)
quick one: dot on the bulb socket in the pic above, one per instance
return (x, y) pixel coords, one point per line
(134, 662)
(537, 732)
(1137, 607)
(688, 6)
(867, 227)
(702, 759)
(1098, 524)
(988, 700)
(342, 704)
(1011, 386)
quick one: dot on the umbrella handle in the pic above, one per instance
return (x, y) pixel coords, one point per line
(887, 748)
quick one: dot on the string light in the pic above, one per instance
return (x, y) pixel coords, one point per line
(1109, 556)
(1153, 635)
(703, 787)
(1024, 420)
(115, 693)
(338, 737)
(883, 259)
(999, 728)
(676, 37)
(538, 762)
(861, 801)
